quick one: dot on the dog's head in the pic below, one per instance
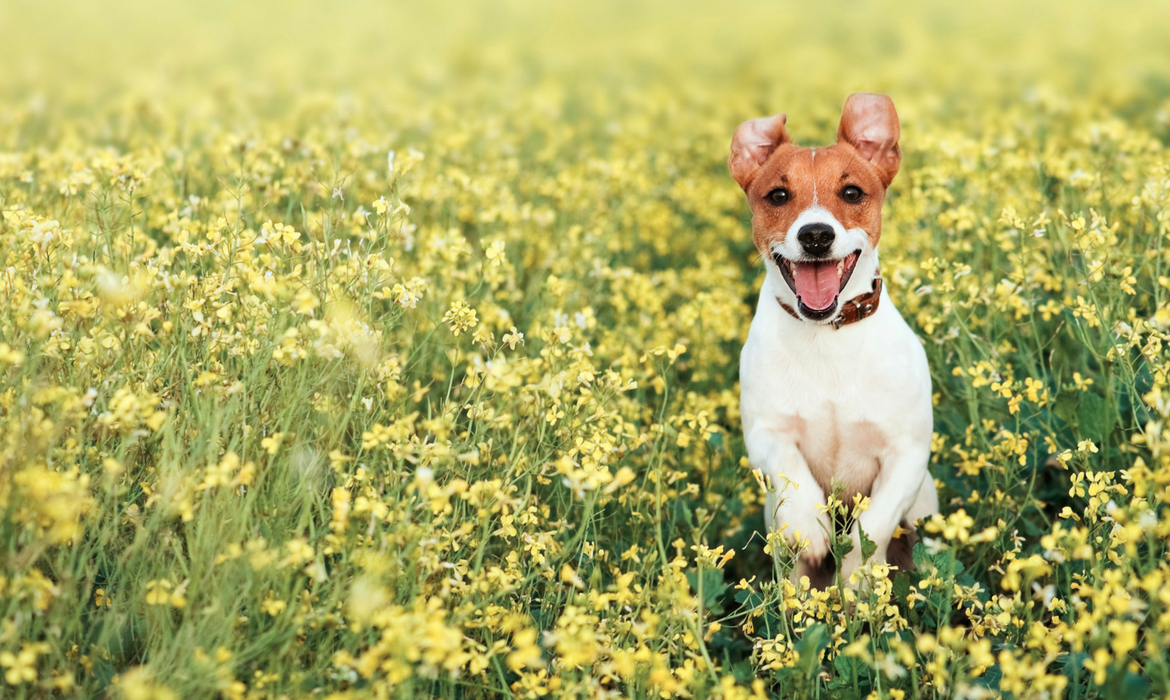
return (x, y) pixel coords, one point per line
(817, 211)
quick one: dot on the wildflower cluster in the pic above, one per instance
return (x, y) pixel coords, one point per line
(345, 367)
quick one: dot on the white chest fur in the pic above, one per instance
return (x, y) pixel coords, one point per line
(851, 405)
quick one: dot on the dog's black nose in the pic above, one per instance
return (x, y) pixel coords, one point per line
(816, 239)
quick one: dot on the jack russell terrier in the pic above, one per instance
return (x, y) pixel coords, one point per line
(834, 386)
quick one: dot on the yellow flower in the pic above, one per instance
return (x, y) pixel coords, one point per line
(460, 317)
(9, 355)
(273, 606)
(956, 526)
(495, 253)
(139, 684)
(513, 338)
(22, 665)
(158, 592)
(1099, 664)
(526, 653)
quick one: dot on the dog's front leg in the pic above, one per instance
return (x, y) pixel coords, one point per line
(793, 495)
(894, 492)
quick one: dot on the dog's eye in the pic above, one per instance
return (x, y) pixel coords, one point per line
(778, 196)
(852, 194)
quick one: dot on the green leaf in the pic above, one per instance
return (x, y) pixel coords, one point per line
(868, 547)
(1065, 407)
(842, 544)
(749, 598)
(901, 594)
(845, 669)
(713, 587)
(1135, 686)
(810, 646)
(920, 555)
(1092, 414)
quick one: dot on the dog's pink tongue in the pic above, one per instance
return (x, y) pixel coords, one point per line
(817, 283)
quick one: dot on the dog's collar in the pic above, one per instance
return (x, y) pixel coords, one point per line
(852, 311)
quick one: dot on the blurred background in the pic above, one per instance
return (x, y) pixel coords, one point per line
(771, 54)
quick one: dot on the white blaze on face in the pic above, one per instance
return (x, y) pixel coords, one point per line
(818, 282)
(845, 240)
(813, 168)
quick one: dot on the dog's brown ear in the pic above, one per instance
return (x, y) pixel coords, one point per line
(870, 124)
(753, 142)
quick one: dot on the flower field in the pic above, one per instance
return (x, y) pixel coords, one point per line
(391, 350)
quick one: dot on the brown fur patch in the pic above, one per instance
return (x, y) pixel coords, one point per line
(820, 174)
(868, 437)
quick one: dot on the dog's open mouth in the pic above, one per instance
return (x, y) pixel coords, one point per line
(817, 283)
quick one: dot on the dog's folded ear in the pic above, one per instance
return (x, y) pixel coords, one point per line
(753, 142)
(870, 124)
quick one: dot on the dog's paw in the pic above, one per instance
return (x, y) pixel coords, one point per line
(811, 527)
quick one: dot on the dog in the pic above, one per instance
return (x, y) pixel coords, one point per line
(834, 385)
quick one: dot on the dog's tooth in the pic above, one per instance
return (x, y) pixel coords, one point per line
(840, 267)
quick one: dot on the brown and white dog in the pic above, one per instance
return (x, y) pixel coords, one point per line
(834, 386)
